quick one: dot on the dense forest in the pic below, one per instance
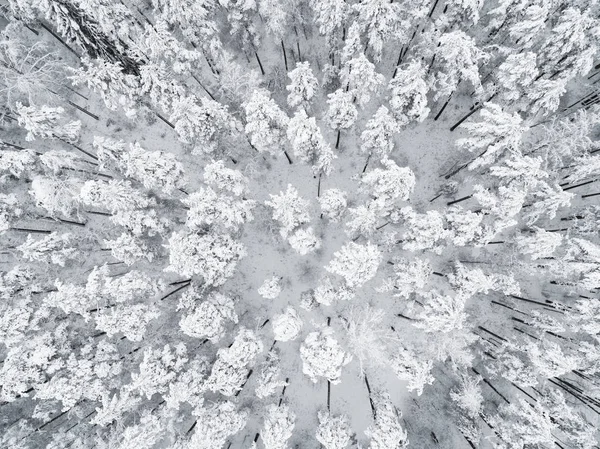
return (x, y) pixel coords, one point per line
(299, 224)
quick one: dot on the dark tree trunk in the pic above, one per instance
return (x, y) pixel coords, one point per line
(491, 386)
(60, 39)
(319, 187)
(288, 157)
(460, 122)
(262, 70)
(165, 120)
(85, 111)
(432, 9)
(373, 411)
(464, 198)
(284, 56)
(439, 114)
(176, 290)
(35, 231)
(366, 163)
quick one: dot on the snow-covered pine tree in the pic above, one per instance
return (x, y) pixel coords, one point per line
(322, 356)
(303, 85)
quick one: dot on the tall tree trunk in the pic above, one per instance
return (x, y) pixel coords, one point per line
(284, 56)
(373, 411)
(288, 157)
(460, 122)
(432, 9)
(262, 70)
(319, 186)
(439, 114)
(459, 200)
(366, 163)
(60, 39)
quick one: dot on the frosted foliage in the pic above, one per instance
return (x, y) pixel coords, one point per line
(113, 407)
(390, 183)
(116, 88)
(442, 313)
(408, 91)
(408, 367)
(571, 423)
(342, 113)
(549, 360)
(496, 134)
(465, 226)
(208, 209)
(143, 435)
(270, 288)
(9, 211)
(505, 204)
(154, 169)
(469, 282)
(334, 432)
(289, 209)
(524, 169)
(269, 379)
(209, 318)
(367, 337)
(411, 276)
(215, 424)
(361, 78)
(460, 59)
(329, 15)
(57, 196)
(364, 219)
(266, 123)
(423, 231)
(548, 200)
(468, 397)
(515, 74)
(129, 249)
(287, 326)
(333, 203)
(386, 432)
(322, 356)
(55, 248)
(17, 163)
(521, 425)
(356, 263)
(201, 123)
(540, 244)
(141, 222)
(303, 85)
(189, 386)
(158, 368)
(229, 370)
(586, 166)
(305, 137)
(327, 293)
(44, 122)
(212, 256)
(304, 241)
(115, 196)
(130, 321)
(377, 138)
(25, 365)
(379, 22)
(223, 178)
(545, 95)
(278, 426)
